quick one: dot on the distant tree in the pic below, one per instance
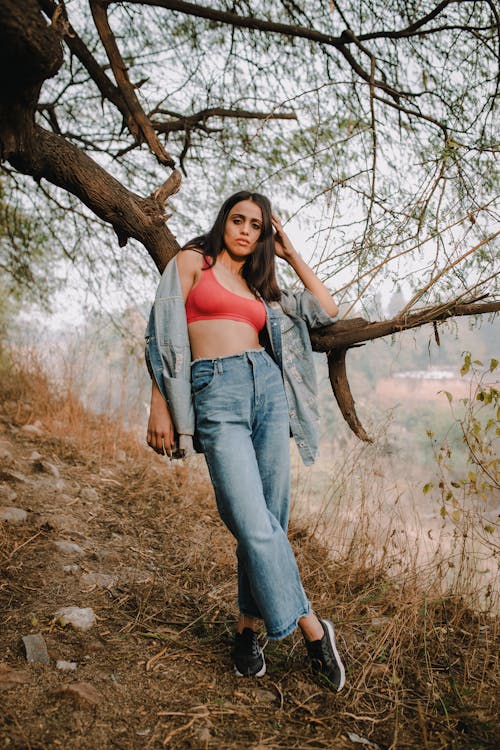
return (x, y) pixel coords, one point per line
(379, 120)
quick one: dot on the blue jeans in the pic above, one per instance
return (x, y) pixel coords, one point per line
(243, 428)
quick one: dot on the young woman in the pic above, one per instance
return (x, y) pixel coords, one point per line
(231, 365)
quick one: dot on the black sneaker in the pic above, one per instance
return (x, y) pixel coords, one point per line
(325, 659)
(248, 655)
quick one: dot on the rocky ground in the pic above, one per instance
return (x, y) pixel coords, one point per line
(135, 547)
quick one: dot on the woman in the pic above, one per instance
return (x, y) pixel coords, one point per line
(231, 364)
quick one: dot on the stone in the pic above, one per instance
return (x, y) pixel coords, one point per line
(36, 649)
(13, 476)
(81, 618)
(100, 580)
(69, 548)
(42, 466)
(34, 429)
(89, 494)
(71, 568)
(13, 515)
(66, 666)
(5, 451)
(7, 493)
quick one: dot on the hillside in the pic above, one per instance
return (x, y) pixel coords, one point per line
(154, 563)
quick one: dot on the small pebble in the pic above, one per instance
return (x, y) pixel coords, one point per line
(66, 666)
(69, 548)
(36, 649)
(82, 618)
(13, 515)
(89, 494)
(71, 568)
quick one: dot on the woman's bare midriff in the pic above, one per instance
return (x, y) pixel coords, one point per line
(221, 338)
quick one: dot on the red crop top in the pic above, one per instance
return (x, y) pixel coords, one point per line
(210, 300)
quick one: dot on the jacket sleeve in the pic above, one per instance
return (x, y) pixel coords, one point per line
(304, 305)
(152, 355)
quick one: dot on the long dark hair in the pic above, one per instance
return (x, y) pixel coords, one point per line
(259, 269)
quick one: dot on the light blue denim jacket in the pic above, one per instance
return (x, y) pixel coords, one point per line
(168, 356)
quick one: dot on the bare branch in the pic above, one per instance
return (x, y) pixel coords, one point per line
(119, 68)
(441, 273)
(185, 122)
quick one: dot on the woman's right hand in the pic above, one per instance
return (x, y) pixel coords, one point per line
(161, 433)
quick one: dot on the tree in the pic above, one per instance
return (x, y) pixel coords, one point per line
(380, 118)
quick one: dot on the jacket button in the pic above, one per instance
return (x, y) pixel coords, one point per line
(301, 444)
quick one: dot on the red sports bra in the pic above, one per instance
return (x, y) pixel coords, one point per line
(210, 300)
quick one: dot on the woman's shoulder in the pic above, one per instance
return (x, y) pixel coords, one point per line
(191, 258)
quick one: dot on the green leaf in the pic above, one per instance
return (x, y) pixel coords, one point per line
(493, 364)
(489, 528)
(448, 396)
(427, 487)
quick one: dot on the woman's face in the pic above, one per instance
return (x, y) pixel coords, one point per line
(242, 229)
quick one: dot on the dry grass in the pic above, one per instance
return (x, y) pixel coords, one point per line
(422, 667)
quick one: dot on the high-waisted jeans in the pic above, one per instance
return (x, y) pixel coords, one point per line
(242, 425)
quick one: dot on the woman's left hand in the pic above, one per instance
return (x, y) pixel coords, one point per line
(282, 245)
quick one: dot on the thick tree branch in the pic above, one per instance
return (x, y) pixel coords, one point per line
(46, 155)
(336, 339)
(119, 69)
(77, 47)
(348, 333)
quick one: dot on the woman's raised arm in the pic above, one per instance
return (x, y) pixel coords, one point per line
(285, 250)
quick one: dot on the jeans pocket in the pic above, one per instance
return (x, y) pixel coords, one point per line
(202, 375)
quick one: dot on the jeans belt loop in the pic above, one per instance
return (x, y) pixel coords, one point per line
(218, 366)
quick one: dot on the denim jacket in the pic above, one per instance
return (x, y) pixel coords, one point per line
(168, 357)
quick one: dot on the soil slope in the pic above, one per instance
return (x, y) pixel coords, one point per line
(154, 563)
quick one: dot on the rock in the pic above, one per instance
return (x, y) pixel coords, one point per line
(81, 618)
(35, 456)
(5, 451)
(7, 493)
(62, 522)
(71, 568)
(13, 515)
(36, 649)
(100, 580)
(34, 429)
(121, 456)
(89, 494)
(69, 548)
(66, 666)
(41, 466)
(13, 476)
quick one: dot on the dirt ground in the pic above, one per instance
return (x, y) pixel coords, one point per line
(157, 568)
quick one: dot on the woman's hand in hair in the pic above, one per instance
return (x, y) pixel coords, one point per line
(282, 244)
(284, 249)
(161, 433)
